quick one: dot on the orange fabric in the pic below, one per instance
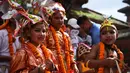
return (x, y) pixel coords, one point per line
(25, 60)
(4, 25)
(84, 69)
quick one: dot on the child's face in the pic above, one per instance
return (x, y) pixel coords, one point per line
(108, 35)
(38, 34)
(57, 19)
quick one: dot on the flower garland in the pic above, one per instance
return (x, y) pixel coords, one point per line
(4, 25)
(101, 56)
(33, 49)
(11, 40)
(60, 58)
(10, 37)
(120, 55)
(36, 53)
(67, 50)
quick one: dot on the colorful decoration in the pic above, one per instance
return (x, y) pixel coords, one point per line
(107, 23)
(52, 8)
(82, 49)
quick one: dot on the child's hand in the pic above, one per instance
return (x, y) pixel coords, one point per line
(110, 62)
(50, 66)
(76, 70)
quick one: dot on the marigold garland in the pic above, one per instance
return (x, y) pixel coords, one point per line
(11, 40)
(120, 55)
(10, 37)
(101, 55)
(67, 49)
(4, 25)
(36, 53)
(33, 49)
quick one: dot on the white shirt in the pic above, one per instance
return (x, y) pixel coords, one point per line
(4, 45)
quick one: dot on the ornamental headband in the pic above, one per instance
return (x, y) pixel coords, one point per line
(21, 16)
(82, 49)
(25, 20)
(107, 23)
(52, 8)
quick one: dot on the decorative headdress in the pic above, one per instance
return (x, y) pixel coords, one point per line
(82, 49)
(52, 8)
(107, 23)
(17, 11)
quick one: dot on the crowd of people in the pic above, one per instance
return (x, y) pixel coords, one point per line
(33, 40)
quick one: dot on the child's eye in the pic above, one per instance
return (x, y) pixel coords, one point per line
(103, 33)
(44, 31)
(111, 32)
(37, 30)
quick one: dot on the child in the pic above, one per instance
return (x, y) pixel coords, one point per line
(59, 42)
(33, 57)
(105, 57)
(81, 53)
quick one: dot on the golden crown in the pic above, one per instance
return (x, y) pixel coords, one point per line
(107, 23)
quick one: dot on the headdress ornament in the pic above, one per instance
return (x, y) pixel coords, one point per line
(17, 11)
(52, 8)
(82, 49)
(107, 23)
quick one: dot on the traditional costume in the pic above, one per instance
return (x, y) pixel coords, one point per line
(59, 43)
(29, 57)
(104, 51)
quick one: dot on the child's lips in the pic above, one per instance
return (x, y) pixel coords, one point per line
(108, 40)
(41, 38)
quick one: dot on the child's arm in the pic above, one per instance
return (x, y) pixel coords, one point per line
(94, 62)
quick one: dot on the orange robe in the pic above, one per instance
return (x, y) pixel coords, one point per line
(24, 60)
(50, 43)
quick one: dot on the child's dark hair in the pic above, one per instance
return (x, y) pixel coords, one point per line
(81, 20)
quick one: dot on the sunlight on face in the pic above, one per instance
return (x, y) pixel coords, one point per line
(57, 19)
(38, 34)
(108, 35)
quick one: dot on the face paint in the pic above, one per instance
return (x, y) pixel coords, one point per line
(107, 28)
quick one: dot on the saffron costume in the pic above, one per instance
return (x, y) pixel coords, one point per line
(29, 57)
